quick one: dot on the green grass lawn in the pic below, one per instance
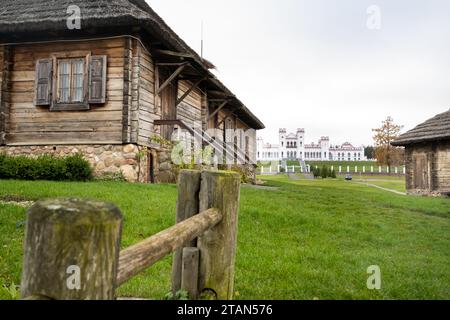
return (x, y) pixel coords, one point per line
(305, 240)
(389, 182)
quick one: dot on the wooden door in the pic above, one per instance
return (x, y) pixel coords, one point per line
(168, 104)
(420, 167)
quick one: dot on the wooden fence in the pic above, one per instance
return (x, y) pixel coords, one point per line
(72, 247)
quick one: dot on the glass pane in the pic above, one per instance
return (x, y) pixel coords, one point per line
(77, 80)
(64, 81)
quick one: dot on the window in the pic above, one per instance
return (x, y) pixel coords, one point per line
(71, 81)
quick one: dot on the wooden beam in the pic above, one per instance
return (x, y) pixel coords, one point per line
(171, 78)
(194, 85)
(173, 53)
(173, 123)
(139, 257)
(212, 115)
(224, 119)
(219, 93)
(170, 64)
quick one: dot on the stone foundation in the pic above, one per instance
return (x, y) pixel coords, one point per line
(106, 160)
(132, 161)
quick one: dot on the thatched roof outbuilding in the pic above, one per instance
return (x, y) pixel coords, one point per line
(434, 129)
(33, 20)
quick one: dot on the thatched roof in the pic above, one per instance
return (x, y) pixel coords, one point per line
(435, 129)
(43, 18)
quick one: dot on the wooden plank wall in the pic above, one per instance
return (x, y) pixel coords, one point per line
(32, 125)
(190, 110)
(2, 106)
(442, 166)
(147, 110)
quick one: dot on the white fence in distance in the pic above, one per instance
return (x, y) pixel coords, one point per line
(268, 170)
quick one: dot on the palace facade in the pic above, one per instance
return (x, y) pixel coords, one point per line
(292, 146)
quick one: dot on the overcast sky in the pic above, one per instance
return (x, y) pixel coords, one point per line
(315, 64)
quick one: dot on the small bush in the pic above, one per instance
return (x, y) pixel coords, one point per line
(324, 173)
(46, 167)
(333, 174)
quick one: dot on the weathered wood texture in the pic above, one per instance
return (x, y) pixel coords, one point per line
(428, 168)
(64, 235)
(190, 268)
(218, 245)
(37, 125)
(139, 257)
(187, 207)
(145, 103)
(190, 110)
(5, 84)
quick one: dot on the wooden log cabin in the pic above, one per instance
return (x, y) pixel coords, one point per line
(428, 156)
(111, 88)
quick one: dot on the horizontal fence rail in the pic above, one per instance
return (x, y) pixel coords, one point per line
(143, 255)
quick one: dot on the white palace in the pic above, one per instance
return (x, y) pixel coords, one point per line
(292, 147)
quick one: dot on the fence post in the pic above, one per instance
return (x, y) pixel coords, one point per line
(189, 279)
(340, 169)
(187, 207)
(217, 246)
(71, 250)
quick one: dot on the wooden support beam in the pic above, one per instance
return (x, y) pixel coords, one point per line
(172, 77)
(169, 64)
(212, 115)
(194, 85)
(172, 53)
(176, 122)
(218, 93)
(227, 117)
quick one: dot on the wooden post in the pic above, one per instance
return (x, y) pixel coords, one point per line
(71, 250)
(187, 207)
(189, 279)
(217, 246)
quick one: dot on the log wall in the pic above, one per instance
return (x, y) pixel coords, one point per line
(31, 125)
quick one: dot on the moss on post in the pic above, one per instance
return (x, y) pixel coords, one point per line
(71, 250)
(217, 246)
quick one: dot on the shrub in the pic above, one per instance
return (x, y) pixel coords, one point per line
(46, 167)
(324, 172)
(316, 172)
(333, 174)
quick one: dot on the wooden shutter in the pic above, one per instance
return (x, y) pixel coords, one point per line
(43, 82)
(97, 79)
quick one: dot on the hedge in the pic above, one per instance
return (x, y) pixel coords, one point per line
(46, 167)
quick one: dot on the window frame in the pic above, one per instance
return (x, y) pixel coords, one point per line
(70, 106)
